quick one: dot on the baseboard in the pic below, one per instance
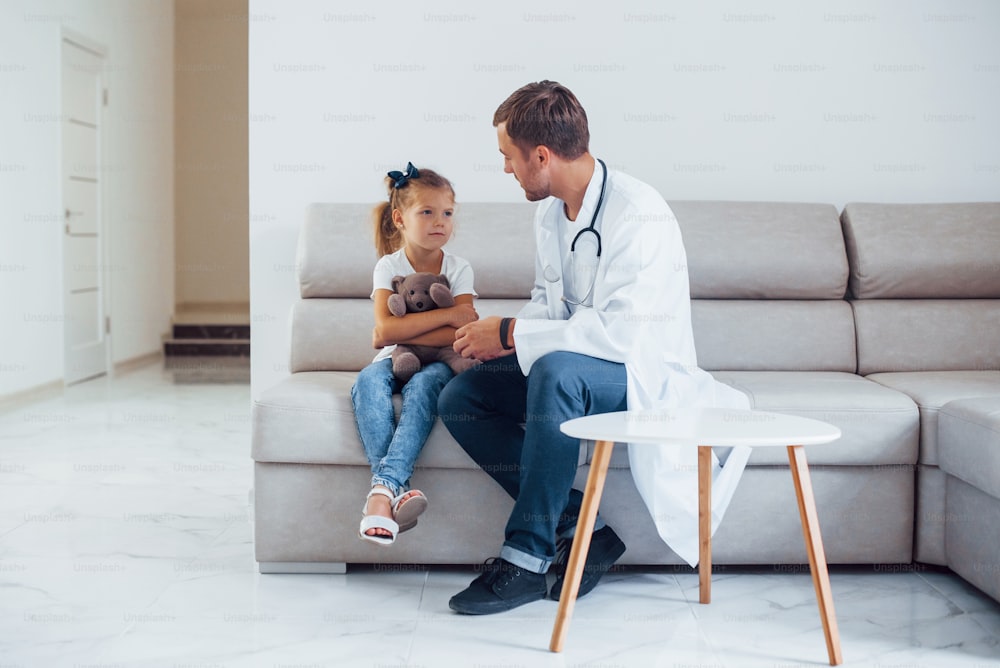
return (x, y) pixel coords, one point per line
(22, 398)
(302, 567)
(138, 362)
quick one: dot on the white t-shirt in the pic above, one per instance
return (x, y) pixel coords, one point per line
(458, 271)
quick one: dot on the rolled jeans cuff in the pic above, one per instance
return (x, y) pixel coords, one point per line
(385, 482)
(525, 560)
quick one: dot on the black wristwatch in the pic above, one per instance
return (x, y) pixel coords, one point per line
(504, 331)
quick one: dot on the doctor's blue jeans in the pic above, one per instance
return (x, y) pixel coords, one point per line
(391, 448)
(509, 424)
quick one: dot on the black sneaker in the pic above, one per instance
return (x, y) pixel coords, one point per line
(605, 549)
(502, 586)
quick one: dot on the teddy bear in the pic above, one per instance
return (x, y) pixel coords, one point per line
(418, 292)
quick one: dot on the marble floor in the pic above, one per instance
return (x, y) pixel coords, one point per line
(126, 540)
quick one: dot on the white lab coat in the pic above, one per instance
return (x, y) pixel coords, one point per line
(641, 316)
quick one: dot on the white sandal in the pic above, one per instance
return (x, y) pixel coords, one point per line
(406, 511)
(369, 522)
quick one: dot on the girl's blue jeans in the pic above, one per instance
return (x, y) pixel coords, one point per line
(391, 448)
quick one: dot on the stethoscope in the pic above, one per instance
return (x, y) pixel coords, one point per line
(552, 276)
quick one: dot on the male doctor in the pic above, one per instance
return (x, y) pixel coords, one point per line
(608, 328)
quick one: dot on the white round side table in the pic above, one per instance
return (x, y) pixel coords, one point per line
(701, 428)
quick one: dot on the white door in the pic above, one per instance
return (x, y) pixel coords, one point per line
(84, 275)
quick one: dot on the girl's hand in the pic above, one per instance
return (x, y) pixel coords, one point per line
(462, 314)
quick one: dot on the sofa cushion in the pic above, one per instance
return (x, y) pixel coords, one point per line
(308, 418)
(927, 334)
(933, 389)
(347, 230)
(504, 267)
(774, 335)
(878, 425)
(763, 250)
(331, 334)
(498, 240)
(969, 442)
(335, 334)
(943, 251)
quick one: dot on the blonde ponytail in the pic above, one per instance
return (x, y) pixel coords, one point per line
(388, 239)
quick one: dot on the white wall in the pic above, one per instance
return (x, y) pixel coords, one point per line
(822, 101)
(139, 170)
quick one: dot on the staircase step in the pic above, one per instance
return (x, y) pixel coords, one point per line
(228, 347)
(207, 331)
(212, 314)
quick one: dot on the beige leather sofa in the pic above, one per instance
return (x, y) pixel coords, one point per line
(884, 321)
(925, 289)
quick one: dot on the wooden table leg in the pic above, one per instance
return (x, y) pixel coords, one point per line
(581, 541)
(704, 524)
(814, 548)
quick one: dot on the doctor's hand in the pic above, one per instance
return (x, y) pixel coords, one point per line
(480, 340)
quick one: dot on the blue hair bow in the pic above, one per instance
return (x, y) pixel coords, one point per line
(400, 179)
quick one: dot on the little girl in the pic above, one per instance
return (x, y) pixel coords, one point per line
(410, 230)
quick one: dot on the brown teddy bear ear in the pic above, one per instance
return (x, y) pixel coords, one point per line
(441, 278)
(440, 293)
(397, 305)
(396, 280)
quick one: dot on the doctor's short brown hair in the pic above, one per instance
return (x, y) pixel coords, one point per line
(545, 113)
